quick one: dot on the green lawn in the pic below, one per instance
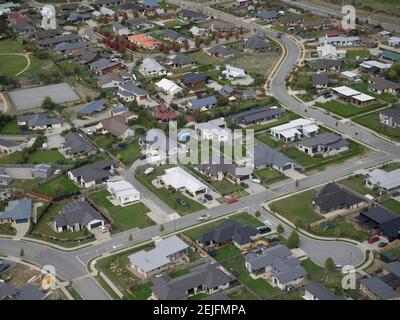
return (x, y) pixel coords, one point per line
(105, 141)
(392, 204)
(371, 121)
(269, 176)
(227, 251)
(124, 218)
(356, 183)
(173, 23)
(298, 206)
(363, 87)
(314, 271)
(243, 218)
(388, 167)
(347, 110)
(347, 230)
(129, 154)
(23, 184)
(266, 139)
(12, 128)
(39, 156)
(353, 54)
(10, 46)
(11, 69)
(204, 58)
(7, 229)
(241, 294)
(226, 187)
(166, 195)
(58, 187)
(261, 287)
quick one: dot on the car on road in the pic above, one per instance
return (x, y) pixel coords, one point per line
(3, 266)
(373, 239)
(244, 185)
(327, 112)
(181, 202)
(102, 229)
(203, 217)
(208, 196)
(231, 200)
(263, 230)
(382, 244)
(202, 200)
(149, 171)
(338, 266)
(255, 179)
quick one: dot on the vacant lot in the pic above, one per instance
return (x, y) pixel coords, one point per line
(127, 153)
(269, 176)
(124, 218)
(371, 121)
(347, 110)
(11, 69)
(39, 156)
(392, 204)
(356, 183)
(58, 187)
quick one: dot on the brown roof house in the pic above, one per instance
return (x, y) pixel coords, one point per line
(381, 85)
(116, 126)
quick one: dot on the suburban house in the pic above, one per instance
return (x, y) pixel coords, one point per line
(316, 291)
(51, 42)
(381, 85)
(390, 56)
(41, 170)
(5, 178)
(156, 143)
(215, 129)
(180, 180)
(232, 73)
(373, 66)
(194, 80)
(383, 181)
(349, 95)
(255, 44)
(107, 3)
(294, 130)
(28, 292)
(123, 192)
(151, 68)
(115, 126)
(37, 121)
(334, 197)
(120, 29)
(390, 117)
(350, 76)
(77, 146)
(191, 15)
(167, 253)
(111, 81)
(181, 61)
(131, 92)
(93, 173)
(328, 51)
(394, 41)
(316, 24)
(325, 144)
(378, 220)
(278, 266)
(265, 156)
(9, 146)
(326, 64)
(18, 211)
(229, 231)
(103, 66)
(197, 32)
(202, 104)
(207, 278)
(91, 108)
(168, 87)
(172, 35)
(144, 41)
(76, 216)
(257, 115)
(320, 80)
(341, 41)
(221, 51)
(268, 16)
(165, 114)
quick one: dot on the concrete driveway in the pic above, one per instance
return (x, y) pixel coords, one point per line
(20, 173)
(54, 138)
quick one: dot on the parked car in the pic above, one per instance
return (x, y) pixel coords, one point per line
(203, 217)
(255, 179)
(327, 112)
(338, 266)
(181, 202)
(149, 171)
(231, 200)
(202, 200)
(208, 196)
(263, 230)
(373, 239)
(3, 266)
(102, 229)
(244, 185)
(382, 244)
(327, 95)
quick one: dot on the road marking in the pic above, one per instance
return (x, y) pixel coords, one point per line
(77, 258)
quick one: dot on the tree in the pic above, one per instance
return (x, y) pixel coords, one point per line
(48, 104)
(162, 228)
(257, 214)
(280, 229)
(298, 223)
(293, 240)
(21, 252)
(130, 238)
(338, 232)
(197, 42)
(329, 264)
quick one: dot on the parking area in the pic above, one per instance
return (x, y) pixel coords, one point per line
(54, 138)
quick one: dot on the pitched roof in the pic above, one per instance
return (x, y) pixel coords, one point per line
(265, 155)
(319, 79)
(380, 83)
(380, 288)
(151, 65)
(383, 179)
(37, 119)
(257, 114)
(221, 50)
(181, 60)
(392, 113)
(255, 43)
(114, 125)
(94, 171)
(193, 78)
(320, 292)
(76, 143)
(197, 103)
(325, 63)
(393, 267)
(92, 107)
(324, 139)
(17, 210)
(77, 212)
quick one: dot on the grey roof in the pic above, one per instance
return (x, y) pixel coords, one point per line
(94, 171)
(103, 64)
(156, 258)
(319, 79)
(37, 119)
(265, 155)
(181, 60)
(229, 230)
(76, 143)
(172, 34)
(380, 83)
(273, 14)
(73, 37)
(92, 107)
(324, 139)
(320, 292)
(151, 3)
(133, 89)
(138, 21)
(193, 78)
(380, 288)
(225, 168)
(392, 113)
(8, 143)
(393, 267)
(256, 114)
(80, 212)
(190, 14)
(255, 43)
(157, 139)
(151, 65)
(332, 196)
(208, 275)
(220, 50)
(118, 26)
(18, 210)
(203, 102)
(391, 228)
(378, 214)
(326, 63)
(29, 292)
(42, 167)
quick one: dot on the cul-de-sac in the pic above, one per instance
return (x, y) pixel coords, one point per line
(199, 150)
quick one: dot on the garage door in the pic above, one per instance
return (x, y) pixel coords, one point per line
(95, 225)
(21, 221)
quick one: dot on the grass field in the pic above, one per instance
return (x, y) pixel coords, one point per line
(371, 121)
(12, 69)
(129, 154)
(356, 183)
(226, 252)
(392, 204)
(298, 206)
(353, 54)
(347, 230)
(266, 139)
(124, 218)
(347, 110)
(7, 229)
(39, 156)
(60, 186)
(269, 176)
